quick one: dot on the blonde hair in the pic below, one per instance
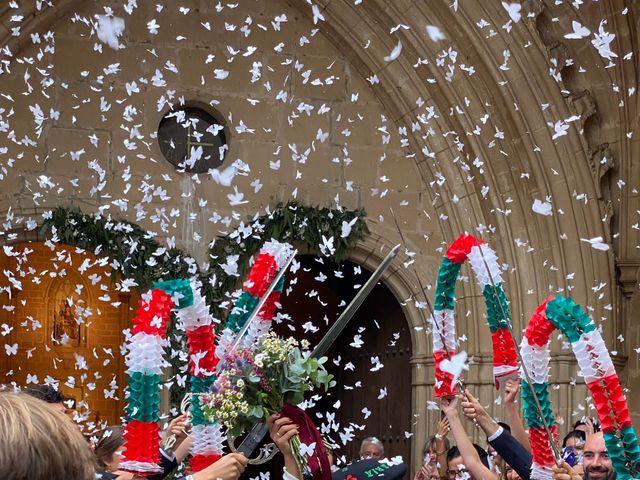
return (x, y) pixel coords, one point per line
(40, 443)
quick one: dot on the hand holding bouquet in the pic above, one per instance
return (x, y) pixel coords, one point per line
(256, 382)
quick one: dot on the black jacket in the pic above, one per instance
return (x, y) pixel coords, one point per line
(518, 457)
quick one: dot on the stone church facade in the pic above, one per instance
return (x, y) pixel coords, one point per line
(451, 136)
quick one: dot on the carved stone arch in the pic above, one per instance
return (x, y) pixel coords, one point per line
(348, 28)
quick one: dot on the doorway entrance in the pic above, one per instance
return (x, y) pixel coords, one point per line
(370, 360)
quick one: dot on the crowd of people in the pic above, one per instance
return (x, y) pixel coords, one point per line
(41, 442)
(508, 453)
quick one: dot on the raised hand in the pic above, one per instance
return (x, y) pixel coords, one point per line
(589, 424)
(449, 406)
(443, 427)
(474, 411)
(281, 430)
(565, 472)
(229, 467)
(427, 472)
(511, 388)
(178, 427)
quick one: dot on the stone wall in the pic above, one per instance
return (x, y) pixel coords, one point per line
(468, 152)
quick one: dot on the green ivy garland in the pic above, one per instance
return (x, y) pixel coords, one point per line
(136, 255)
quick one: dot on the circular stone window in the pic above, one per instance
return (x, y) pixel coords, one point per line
(192, 140)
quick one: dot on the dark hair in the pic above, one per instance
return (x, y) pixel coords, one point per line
(454, 452)
(596, 425)
(431, 445)
(46, 393)
(577, 434)
(112, 439)
(506, 426)
(482, 453)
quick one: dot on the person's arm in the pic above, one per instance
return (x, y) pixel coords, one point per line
(475, 412)
(441, 451)
(182, 450)
(469, 454)
(513, 413)
(281, 429)
(511, 451)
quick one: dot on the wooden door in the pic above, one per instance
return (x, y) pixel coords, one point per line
(379, 329)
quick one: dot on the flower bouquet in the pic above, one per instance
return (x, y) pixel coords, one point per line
(271, 375)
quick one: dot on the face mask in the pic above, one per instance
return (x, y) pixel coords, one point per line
(571, 456)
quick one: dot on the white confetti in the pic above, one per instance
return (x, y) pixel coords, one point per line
(395, 53)
(542, 208)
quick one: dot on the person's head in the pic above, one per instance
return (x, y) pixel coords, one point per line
(39, 443)
(482, 453)
(596, 461)
(371, 447)
(575, 439)
(430, 449)
(108, 450)
(455, 462)
(573, 447)
(455, 465)
(49, 395)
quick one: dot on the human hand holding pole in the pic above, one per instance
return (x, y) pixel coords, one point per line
(467, 450)
(513, 413)
(565, 472)
(474, 411)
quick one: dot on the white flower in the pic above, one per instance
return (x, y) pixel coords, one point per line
(259, 359)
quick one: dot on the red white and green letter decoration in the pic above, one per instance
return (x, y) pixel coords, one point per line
(145, 357)
(599, 374)
(145, 362)
(484, 264)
